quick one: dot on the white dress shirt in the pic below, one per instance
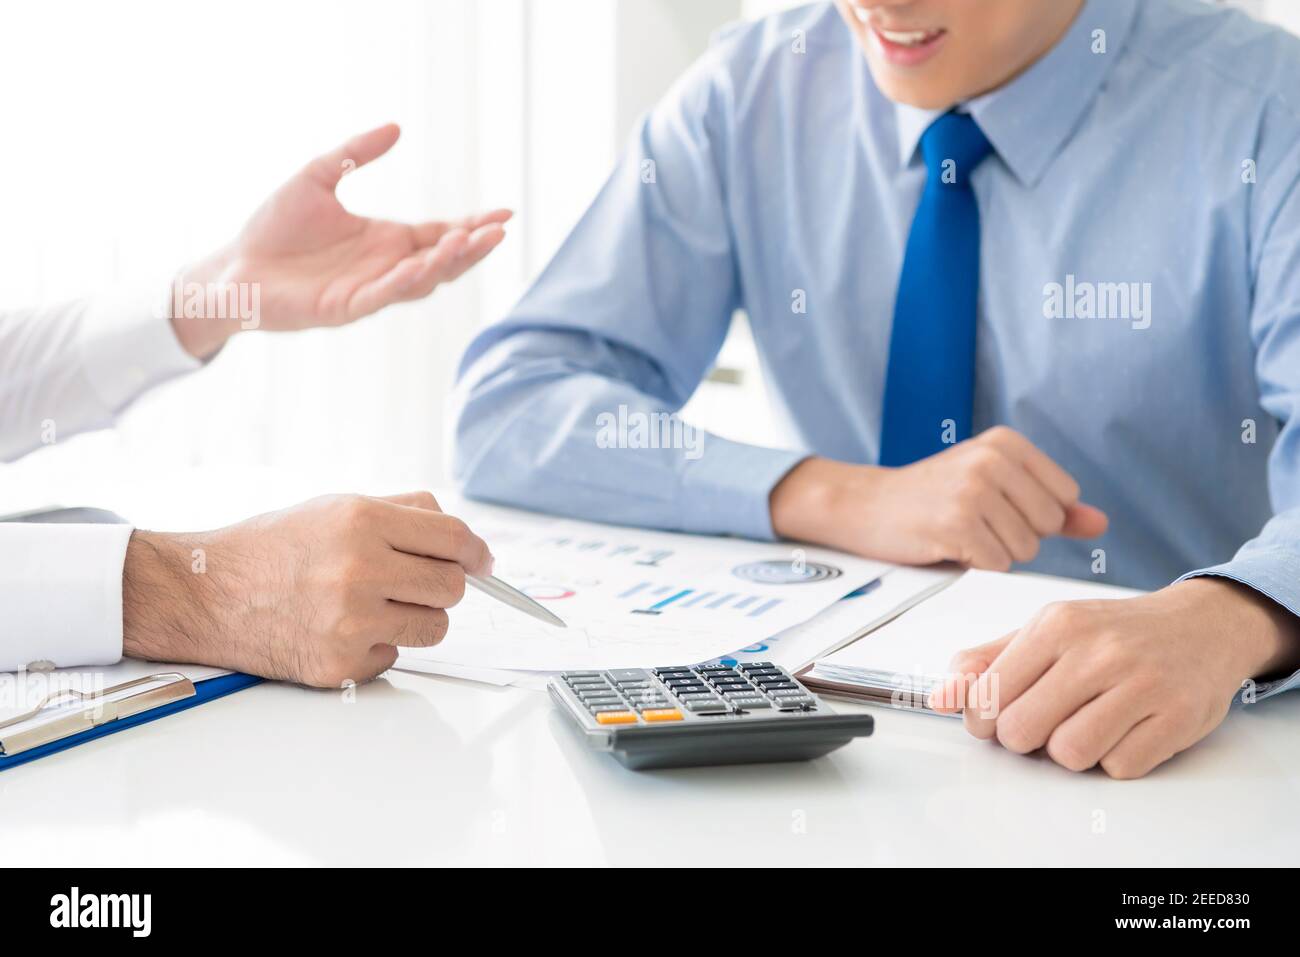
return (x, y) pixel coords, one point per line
(66, 369)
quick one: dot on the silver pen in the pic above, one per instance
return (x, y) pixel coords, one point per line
(494, 587)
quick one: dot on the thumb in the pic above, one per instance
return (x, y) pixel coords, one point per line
(1084, 521)
(330, 167)
(949, 696)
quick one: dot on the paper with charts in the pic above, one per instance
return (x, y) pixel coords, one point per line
(634, 598)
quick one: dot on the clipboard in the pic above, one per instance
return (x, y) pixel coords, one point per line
(68, 718)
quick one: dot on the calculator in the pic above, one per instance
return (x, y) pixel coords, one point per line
(687, 715)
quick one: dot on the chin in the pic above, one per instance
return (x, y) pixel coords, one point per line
(924, 96)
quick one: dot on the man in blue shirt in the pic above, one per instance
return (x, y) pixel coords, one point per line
(994, 256)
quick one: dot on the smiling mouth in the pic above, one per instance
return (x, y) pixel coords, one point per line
(909, 38)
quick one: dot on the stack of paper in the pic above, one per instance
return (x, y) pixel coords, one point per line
(633, 598)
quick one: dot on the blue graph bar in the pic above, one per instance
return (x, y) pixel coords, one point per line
(668, 601)
(634, 589)
(745, 602)
(697, 599)
(719, 602)
(772, 603)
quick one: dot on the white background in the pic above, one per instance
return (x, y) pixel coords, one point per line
(139, 134)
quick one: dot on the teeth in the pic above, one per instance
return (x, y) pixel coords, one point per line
(908, 38)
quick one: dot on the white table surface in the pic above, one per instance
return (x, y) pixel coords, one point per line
(428, 770)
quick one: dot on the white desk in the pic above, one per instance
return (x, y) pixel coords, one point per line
(426, 770)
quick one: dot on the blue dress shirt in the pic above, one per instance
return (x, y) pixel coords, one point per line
(1139, 314)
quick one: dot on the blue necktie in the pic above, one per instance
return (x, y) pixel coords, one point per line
(931, 374)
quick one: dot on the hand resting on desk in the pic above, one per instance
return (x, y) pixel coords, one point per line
(322, 594)
(1124, 684)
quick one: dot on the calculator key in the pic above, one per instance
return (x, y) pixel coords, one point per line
(758, 666)
(616, 717)
(662, 714)
(631, 687)
(707, 707)
(774, 686)
(574, 675)
(793, 704)
(629, 674)
(751, 704)
(795, 692)
(594, 706)
(654, 705)
(702, 695)
(715, 670)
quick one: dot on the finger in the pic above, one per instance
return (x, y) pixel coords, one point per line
(1092, 732)
(416, 580)
(418, 531)
(414, 626)
(1026, 724)
(396, 284)
(1050, 475)
(983, 549)
(428, 234)
(1018, 538)
(1084, 521)
(1044, 514)
(377, 660)
(477, 245)
(1025, 659)
(329, 168)
(949, 697)
(1152, 741)
(414, 499)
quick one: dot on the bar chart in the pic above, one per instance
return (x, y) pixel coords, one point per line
(655, 599)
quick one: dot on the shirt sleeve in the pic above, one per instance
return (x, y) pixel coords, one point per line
(76, 366)
(1270, 563)
(569, 404)
(61, 590)
(67, 369)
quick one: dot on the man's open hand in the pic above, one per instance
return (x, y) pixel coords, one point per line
(316, 264)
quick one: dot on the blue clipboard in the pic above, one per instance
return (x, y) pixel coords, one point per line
(204, 691)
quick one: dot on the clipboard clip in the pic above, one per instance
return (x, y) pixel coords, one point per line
(28, 731)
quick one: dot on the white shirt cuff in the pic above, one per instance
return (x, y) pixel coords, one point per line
(128, 345)
(61, 591)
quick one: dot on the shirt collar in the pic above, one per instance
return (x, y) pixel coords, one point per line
(1031, 118)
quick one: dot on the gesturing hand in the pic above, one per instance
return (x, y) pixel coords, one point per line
(316, 264)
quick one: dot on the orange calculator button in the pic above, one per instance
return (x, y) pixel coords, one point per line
(662, 714)
(616, 717)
